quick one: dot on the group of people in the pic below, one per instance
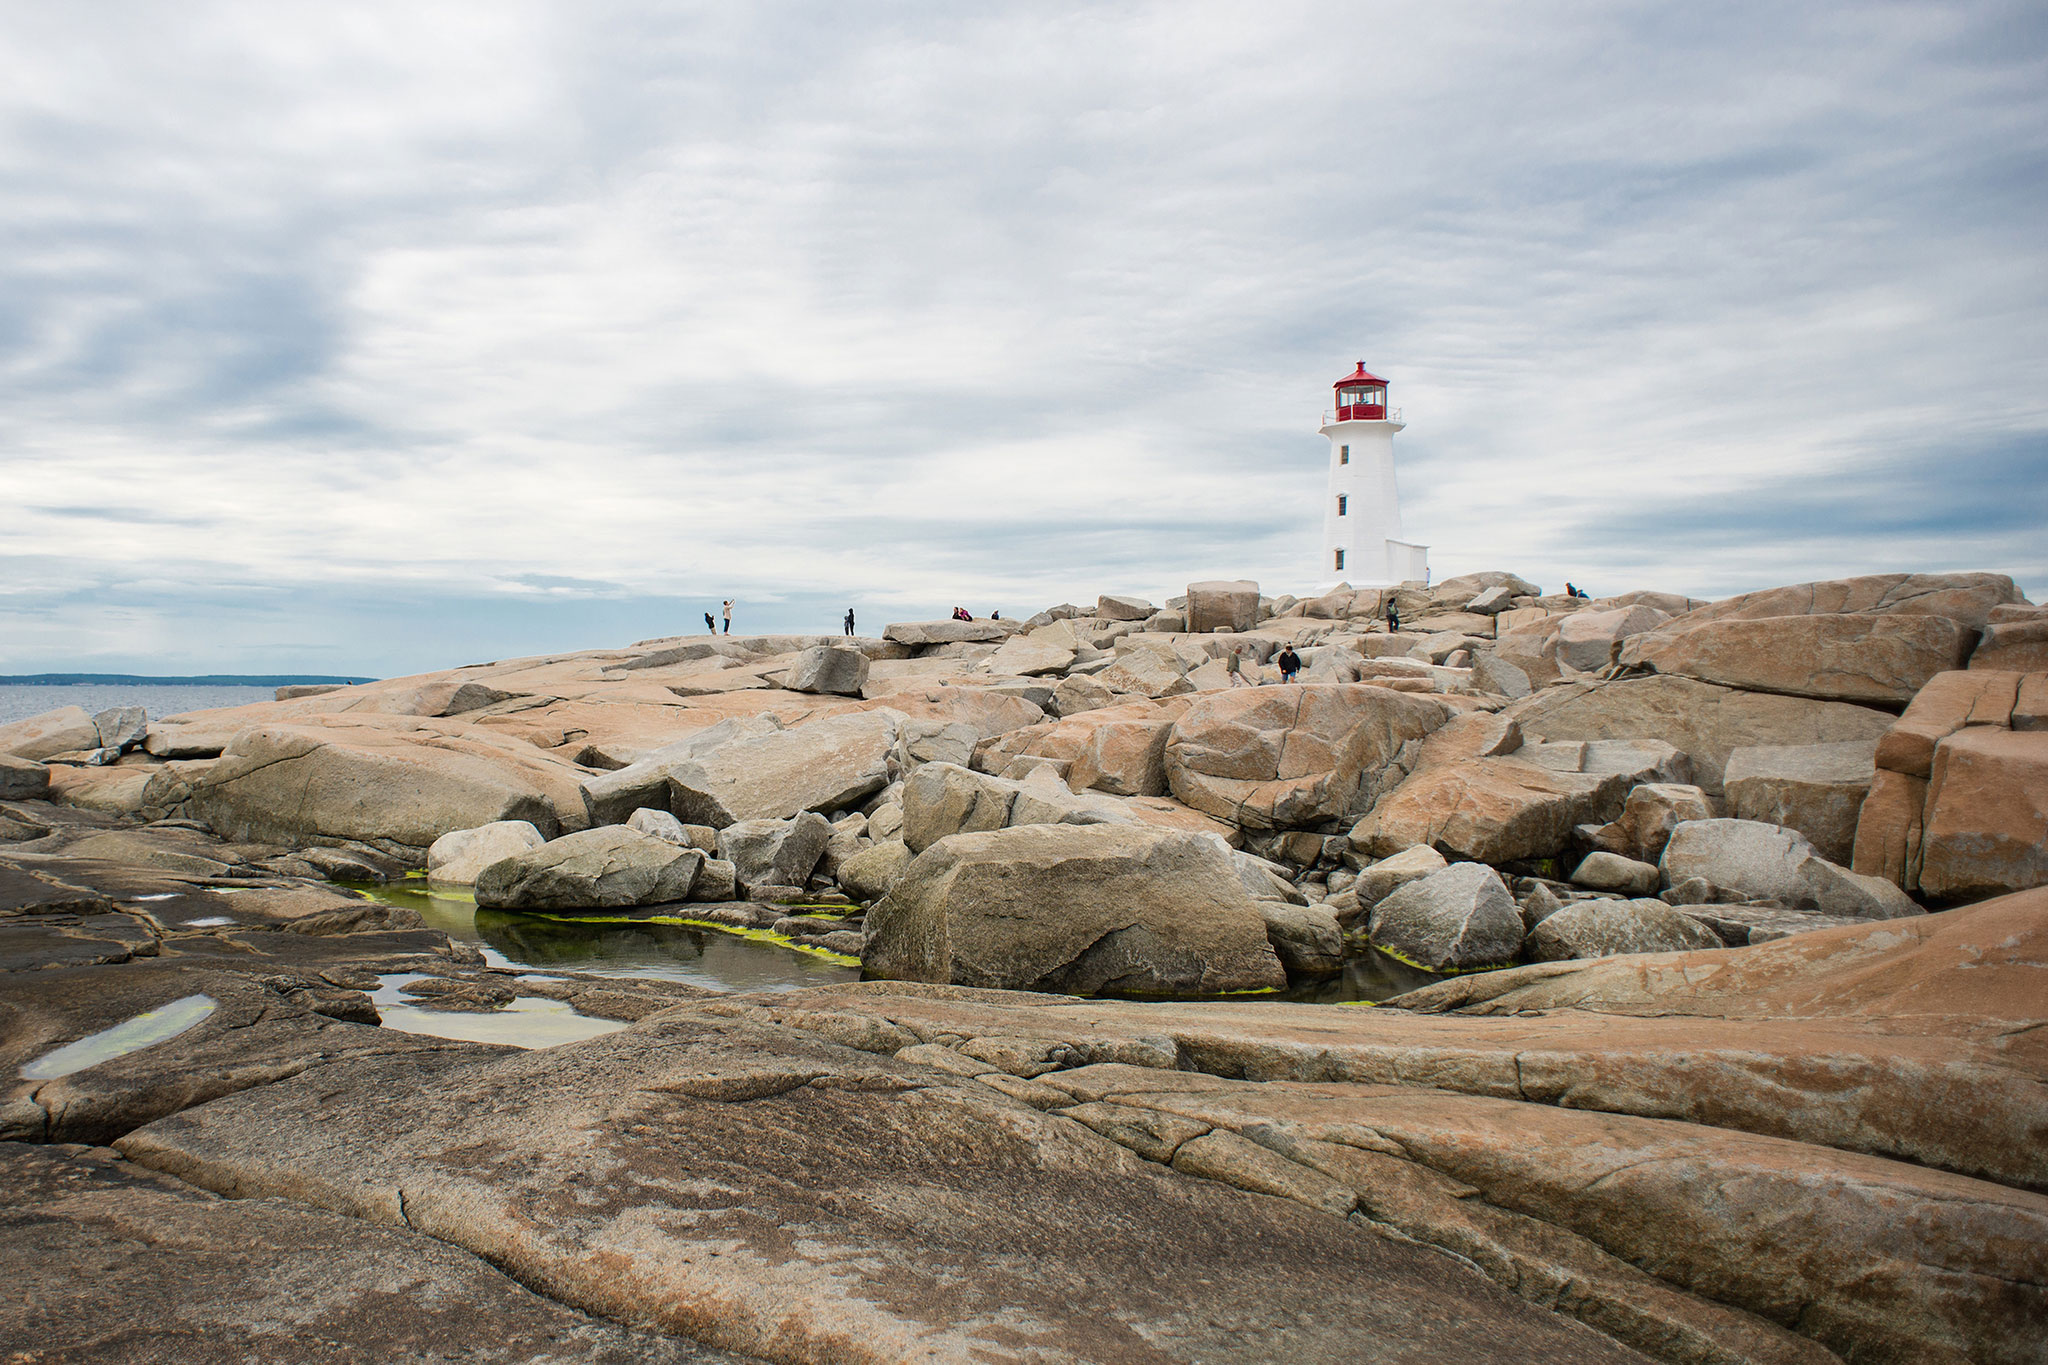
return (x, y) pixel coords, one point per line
(1287, 661)
(712, 625)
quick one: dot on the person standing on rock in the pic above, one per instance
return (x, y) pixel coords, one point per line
(1393, 617)
(728, 616)
(1290, 665)
(709, 624)
(849, 623)
(1233, 664)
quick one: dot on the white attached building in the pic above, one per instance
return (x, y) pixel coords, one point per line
(1362, 513)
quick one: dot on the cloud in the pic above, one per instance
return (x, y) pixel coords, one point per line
(525, 319)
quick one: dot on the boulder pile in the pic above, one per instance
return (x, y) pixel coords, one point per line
(1778, 761)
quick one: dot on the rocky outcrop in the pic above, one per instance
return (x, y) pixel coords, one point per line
(1958, 807)
(1284, 757)
(460, 856)
(2013, 647)
(1457, 920)
(947, 632)
(1587, 640)
(1648, 815)
(757, 772)
(612, 866)
(22, 779)
(1702, 720)
(1079, 909)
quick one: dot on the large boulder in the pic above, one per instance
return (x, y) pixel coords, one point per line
(1460, 919)
(1147, 673)
(1982, 822)
(1648, 815)
(1027, 656)
(1477, 792)
(1966, 598)
(947, 632)
(64, 730)
(23, 779)
(1307, 938)
(1604, 871)
(944, 799)
(460, 856)
(594, 868)
(2014, 646)
(756, 771)
(1291, 757)
(122, 727)
(1817, 789)
(774, 852)
(1222, 605)
(1986, 815)
(1123, 757)
(1111, 608)
(1858, 657)
(1766, 862)
(1705, 721)
(1604, 928)
(384, 780)
(829, 669)
(869, 874)
(1586, 640)
(1087, 910)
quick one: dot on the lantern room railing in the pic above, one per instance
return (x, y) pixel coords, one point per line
(1363, 412)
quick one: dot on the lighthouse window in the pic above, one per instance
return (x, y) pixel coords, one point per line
(1343, 454)
(1343, 501)
(1340, 559)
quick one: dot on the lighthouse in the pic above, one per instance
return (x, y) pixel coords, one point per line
(1362, 512)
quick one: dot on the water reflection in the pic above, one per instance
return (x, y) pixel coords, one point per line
(619, 944)
(1372, 976)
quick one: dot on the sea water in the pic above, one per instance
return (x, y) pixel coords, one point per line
(19, 701)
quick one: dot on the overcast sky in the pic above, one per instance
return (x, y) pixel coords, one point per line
(375, 338)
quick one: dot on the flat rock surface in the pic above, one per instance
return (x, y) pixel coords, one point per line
(764, 1189)
(178, 1274)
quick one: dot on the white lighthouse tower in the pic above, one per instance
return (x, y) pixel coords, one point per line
(1362, 514)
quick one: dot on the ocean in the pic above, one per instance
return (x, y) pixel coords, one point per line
(18, 701)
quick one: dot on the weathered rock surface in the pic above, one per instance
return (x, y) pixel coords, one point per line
(1603, 871)
(1083, 909)
(460, 856)
(1459, 919)
(1705, 721)
(1649, 814)
(869, 874)
(1986, 815)
(1147, 673)
(1282, 757)
(757, 773)
(612, 866)
(878, 1161)
(1587, 640)
(1604, 928)
(946, 632)
(2013, 646)
(182, 1274)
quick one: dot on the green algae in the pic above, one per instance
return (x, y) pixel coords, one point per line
(737, 931)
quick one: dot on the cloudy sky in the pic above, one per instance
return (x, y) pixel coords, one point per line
(374, 338)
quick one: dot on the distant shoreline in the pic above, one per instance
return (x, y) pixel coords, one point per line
(190, 680)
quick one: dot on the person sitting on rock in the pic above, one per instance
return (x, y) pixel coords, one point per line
(1569, 590)
(1290, 665)
(961, 614)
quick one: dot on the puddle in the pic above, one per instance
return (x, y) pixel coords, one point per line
(147, 1029)
(619, 943)
(210, 922)
(159, 896)
(528, 1022)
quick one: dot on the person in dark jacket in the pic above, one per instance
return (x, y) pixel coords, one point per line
(849, 621)
(710, 624)
(1290, 664)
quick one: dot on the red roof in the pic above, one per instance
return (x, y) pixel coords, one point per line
(1358, 376)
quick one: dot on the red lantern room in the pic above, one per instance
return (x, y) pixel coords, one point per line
(1361, 397)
